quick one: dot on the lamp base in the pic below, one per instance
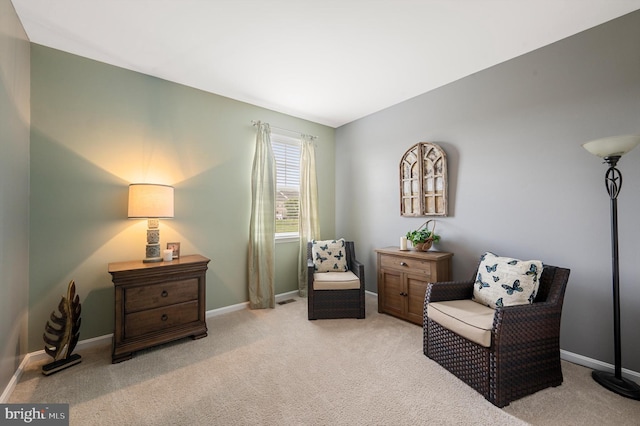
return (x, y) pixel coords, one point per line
(622, 386)
(152, 259)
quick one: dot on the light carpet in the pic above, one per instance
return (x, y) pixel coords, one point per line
(274, 367)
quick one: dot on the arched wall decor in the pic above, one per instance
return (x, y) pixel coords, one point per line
(423, 181)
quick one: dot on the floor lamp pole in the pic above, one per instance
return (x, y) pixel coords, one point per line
(615, 382)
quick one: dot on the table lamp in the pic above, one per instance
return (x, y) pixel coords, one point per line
(151, 202)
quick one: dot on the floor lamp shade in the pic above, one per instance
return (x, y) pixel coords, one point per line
(615, 146)
(152, 202)
(611, 149)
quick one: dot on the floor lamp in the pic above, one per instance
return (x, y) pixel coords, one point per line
(611, 149)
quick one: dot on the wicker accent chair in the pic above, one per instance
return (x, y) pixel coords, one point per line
(342, 303)
(524, 352)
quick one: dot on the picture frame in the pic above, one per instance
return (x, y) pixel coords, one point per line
(176, 249)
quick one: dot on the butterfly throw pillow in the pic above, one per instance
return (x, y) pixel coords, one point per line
(505, 281)
(329, 255)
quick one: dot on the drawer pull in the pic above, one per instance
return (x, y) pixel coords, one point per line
(164, 317)
(403, 294)
(403, 264)
(164, 293)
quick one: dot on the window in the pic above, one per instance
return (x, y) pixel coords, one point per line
(286, 151)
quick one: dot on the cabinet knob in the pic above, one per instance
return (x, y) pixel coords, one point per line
(403, 264)
(164, 293)
(164, 317)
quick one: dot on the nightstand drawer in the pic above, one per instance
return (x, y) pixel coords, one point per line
(139, 323)
(406, 264)
(156, 295)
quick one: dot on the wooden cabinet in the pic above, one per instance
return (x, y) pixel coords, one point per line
(403, 277)
(157, 302)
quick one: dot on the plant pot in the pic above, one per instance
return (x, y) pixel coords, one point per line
(423, 246)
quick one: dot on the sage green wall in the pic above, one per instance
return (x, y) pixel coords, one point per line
(14, 191)
(95, 129)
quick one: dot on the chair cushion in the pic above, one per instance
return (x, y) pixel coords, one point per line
(335, 281)
(505, 281)
(466, 318)
(329, 255)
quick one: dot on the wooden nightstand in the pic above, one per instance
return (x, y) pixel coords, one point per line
(157, 302)
(403, 277)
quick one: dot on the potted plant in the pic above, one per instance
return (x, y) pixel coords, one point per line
(422, 238)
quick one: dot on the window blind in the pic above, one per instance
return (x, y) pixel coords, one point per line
(286, 152)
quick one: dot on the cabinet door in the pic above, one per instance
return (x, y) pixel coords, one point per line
(392, 301)
(416, 289)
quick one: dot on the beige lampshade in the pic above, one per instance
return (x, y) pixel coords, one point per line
(613, 146)
(150, 201)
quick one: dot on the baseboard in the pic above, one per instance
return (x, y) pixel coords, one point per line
(286, 295)
(14, 380)
(244, 305)
(104, 340)
(594, 364)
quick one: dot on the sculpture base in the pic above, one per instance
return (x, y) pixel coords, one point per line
(55, 366)
(622, 386)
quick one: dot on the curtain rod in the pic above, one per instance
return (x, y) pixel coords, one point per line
(255, 123)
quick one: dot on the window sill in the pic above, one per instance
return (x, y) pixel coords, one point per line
(287, 239)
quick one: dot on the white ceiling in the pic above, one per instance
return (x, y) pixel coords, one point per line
(328, 61)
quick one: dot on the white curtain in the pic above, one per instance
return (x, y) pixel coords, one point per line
(263, 223)
(309, 224)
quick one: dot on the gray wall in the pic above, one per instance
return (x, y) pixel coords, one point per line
(14, 191)
(95, 129)
(520, 183)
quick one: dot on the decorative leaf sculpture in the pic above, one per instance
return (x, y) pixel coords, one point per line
(65, 328)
